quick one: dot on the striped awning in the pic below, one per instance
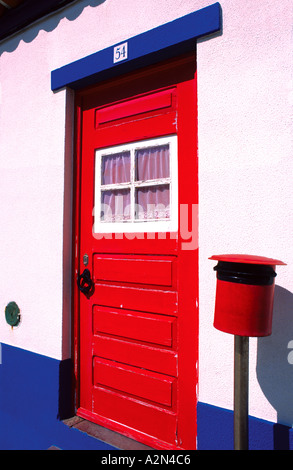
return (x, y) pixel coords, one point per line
(8, 5)
(18, 14)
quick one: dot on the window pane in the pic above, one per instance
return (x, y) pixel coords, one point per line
(152, 163)
(116, 168)
(115, 205)
(153, 202)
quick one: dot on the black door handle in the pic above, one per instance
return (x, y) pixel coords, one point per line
(85, 283)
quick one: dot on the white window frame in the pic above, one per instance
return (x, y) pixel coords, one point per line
(138, 225)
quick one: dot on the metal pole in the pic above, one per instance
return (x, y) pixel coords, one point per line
(241, 348)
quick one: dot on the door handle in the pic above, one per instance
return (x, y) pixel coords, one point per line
(85, 283)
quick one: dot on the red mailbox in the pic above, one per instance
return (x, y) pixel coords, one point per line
(245, 294)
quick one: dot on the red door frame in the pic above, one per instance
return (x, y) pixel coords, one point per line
(188, 194)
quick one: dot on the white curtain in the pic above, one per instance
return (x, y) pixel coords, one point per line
(151, 202)
(152, 163)
(116, 168)
(115, 205)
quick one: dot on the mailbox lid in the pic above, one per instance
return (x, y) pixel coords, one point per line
(247, 259)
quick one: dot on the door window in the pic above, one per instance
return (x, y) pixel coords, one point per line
(136, 187)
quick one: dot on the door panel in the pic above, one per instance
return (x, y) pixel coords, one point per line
(153, 358)
(138, 326)
(132, 269)
(137, 106)
(144, 300)
(136, 332)
(135, 414)
(134, 381)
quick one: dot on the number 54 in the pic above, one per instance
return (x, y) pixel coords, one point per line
(120, 52)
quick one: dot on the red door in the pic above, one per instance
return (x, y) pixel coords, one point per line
(136, 237)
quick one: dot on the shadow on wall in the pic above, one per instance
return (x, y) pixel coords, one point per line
(48, 23)
(275, 364)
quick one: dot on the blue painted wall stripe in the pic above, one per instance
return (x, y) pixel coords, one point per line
(35, 388)
(35, 395)
(163, 42)
(215, 430)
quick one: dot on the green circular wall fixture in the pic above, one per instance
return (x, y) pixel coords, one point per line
(12, 314)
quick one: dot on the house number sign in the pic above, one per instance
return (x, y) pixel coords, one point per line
(120, 52)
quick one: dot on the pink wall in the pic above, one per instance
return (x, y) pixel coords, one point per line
(245, 146)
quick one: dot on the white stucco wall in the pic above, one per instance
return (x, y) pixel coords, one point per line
(245, 146)
(245, 197)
